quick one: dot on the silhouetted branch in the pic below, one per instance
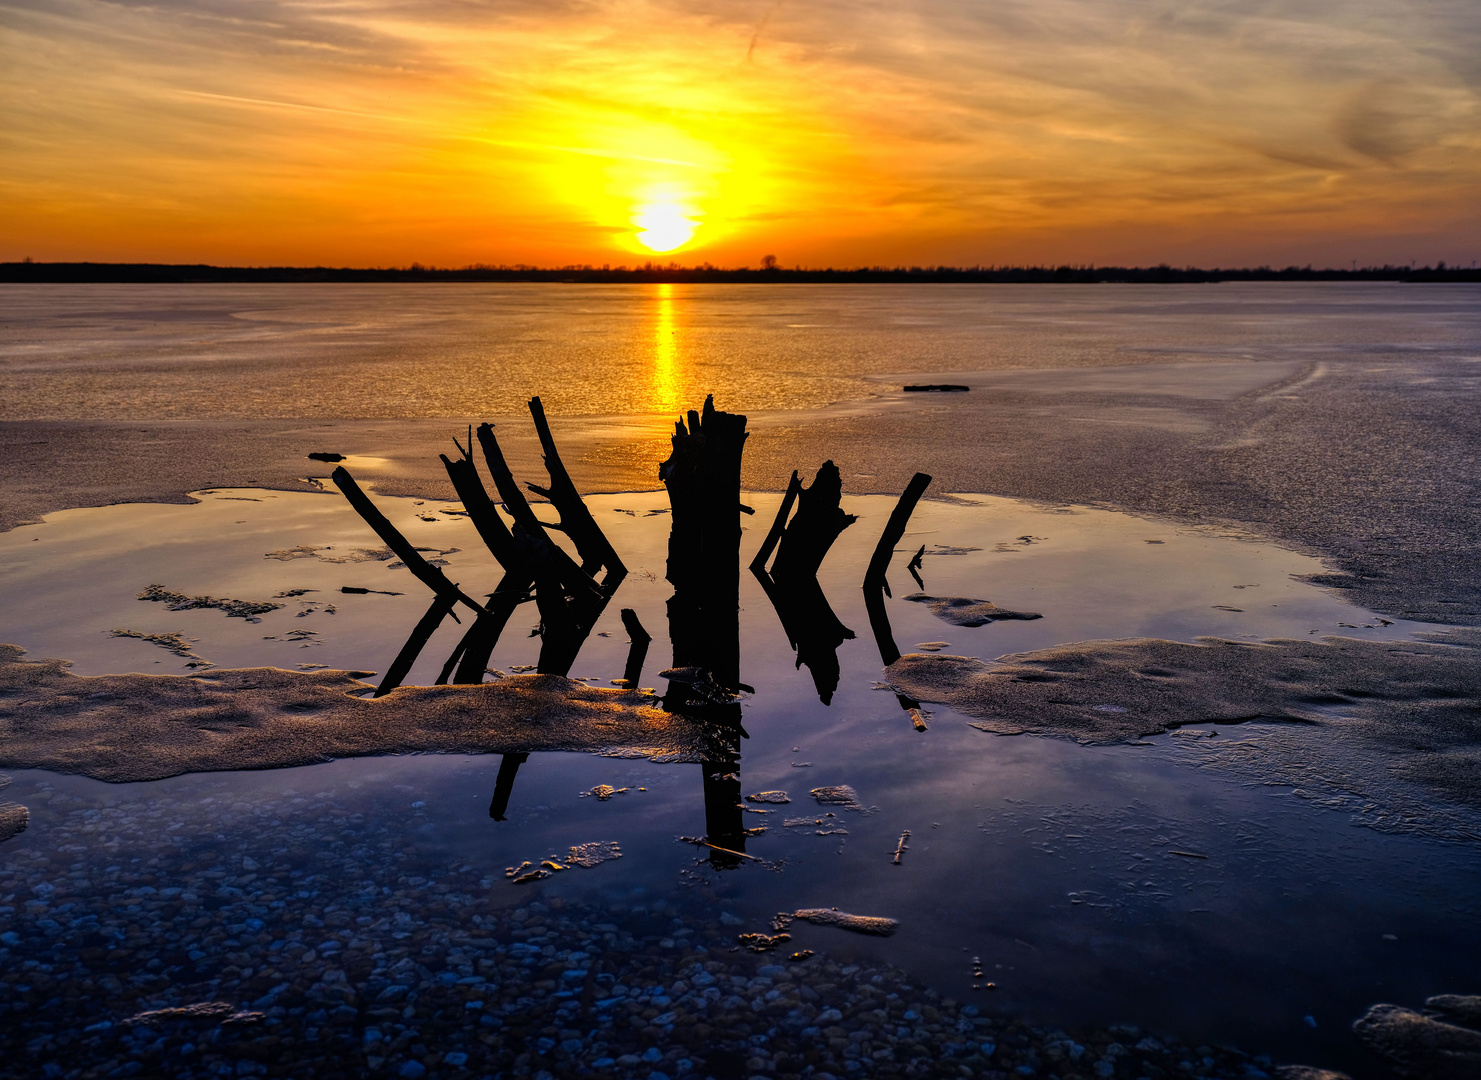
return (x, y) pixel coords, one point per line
(482, 511)
(576, 519)
(812, 530)
(541, 557)
(794, 487)
(424, 571)
(893, 531)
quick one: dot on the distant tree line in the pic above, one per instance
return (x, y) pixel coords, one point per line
(159, 273)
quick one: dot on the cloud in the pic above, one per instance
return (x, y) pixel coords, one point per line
(1390, 120)
(381, 123)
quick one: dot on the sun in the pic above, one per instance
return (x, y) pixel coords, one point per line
(664, 226)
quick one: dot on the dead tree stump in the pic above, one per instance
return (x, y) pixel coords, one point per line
(812, 530)
(702, 476)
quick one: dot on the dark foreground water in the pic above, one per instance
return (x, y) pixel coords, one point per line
(363, 914)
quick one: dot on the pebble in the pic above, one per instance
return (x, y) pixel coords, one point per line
(304, 936)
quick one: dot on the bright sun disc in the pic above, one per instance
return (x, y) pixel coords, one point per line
(664, 227)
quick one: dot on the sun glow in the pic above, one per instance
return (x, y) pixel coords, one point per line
(664, 226)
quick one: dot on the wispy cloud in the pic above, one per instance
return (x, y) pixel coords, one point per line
(465, 130)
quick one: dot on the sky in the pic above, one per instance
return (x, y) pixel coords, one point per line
(827, 133)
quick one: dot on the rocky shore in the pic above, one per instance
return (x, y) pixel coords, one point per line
(304, 937)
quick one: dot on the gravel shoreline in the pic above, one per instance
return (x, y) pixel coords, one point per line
(316, 940)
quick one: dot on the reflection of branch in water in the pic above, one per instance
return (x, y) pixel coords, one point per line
(889, 652)
(814, 631)
(914, 566)
(508, 765)
(637, 652)
(476, 650)
(792, 583)
(442, 606)
(779, 524)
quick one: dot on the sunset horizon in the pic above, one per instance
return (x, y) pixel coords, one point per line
(369, 134)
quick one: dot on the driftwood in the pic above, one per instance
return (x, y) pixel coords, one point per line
(779, 525)
(576, 520)
(481, 509)
(702, 476)
(422, 570)
(902, 847)
(537, 553)
(812, 530)
(894, 530)
(936, 388)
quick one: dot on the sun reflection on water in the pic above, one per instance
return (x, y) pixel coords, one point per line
(666, 391)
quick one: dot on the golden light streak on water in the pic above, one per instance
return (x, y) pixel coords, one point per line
(666, 378)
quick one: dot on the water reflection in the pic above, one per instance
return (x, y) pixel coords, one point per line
(665, 379)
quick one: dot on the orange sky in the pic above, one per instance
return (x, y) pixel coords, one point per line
(378, 132)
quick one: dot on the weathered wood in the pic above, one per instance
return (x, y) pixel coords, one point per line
(637, 651)
(542, 558)
(893, 531)
(812, 530)
(702, 476)
(442, 605)
(422, 570)
(779, 525)
(576, 520)
(482, 511)
(902, 846)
